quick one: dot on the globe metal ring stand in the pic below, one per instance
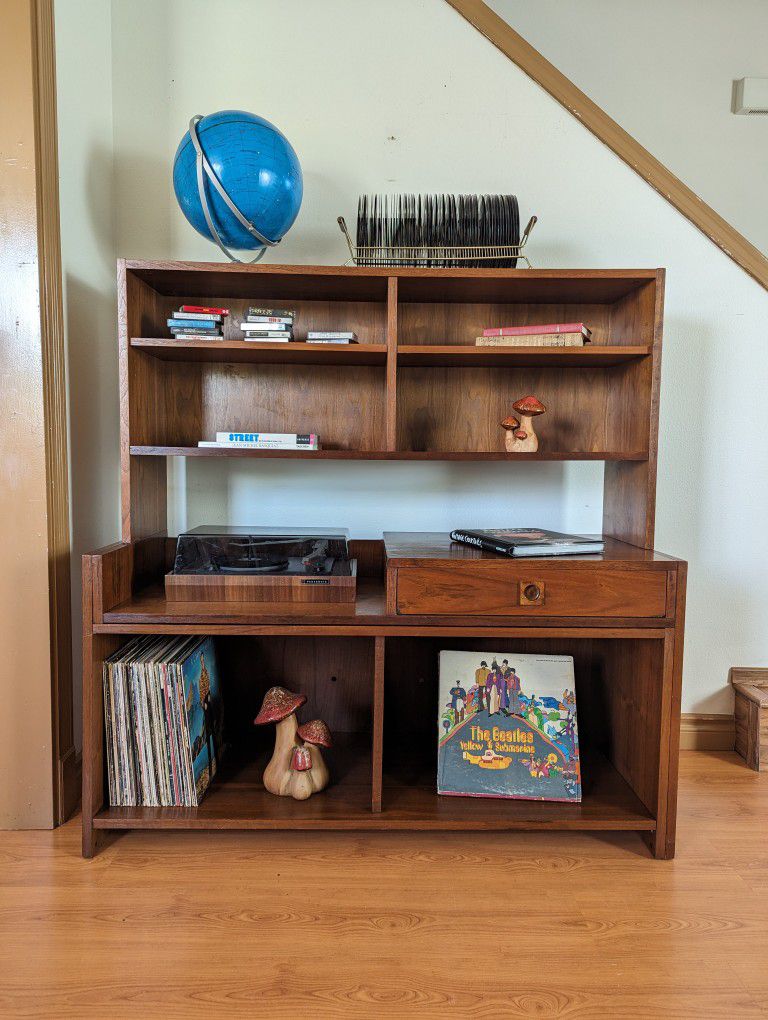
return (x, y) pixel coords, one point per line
(203, 166)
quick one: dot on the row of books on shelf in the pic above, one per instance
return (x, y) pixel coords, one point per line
(265, 325)
(275, 325)
(164, 721)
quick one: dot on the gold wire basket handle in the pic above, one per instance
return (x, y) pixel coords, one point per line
(433, 256)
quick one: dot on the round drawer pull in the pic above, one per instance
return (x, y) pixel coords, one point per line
(531, 593)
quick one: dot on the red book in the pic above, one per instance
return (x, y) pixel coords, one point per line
(554, 327)
(204, 309)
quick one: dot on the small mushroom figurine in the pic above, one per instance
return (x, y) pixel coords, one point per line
(300, 782)
(315, 735)
(510, 426)
(279, 706)
(521, 437)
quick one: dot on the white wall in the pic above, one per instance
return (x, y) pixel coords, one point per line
(84, 74)
(407, 97)
(664, 71)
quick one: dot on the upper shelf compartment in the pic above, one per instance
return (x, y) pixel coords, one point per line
(465, 356)
(532, 286)
(259, 284)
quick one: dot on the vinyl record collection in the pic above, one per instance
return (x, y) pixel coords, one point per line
(162, 708)
(423, 229)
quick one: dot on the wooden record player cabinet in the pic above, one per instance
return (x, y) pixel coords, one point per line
(415, 388)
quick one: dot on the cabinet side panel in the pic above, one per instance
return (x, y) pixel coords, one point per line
(142, 403)
(629, 491)
(665, 837)
(391, 381)
(95, 649)
(628, 697)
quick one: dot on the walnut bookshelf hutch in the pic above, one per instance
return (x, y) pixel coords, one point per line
(410, 390)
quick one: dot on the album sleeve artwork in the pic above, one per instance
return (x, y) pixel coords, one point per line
(507, 726)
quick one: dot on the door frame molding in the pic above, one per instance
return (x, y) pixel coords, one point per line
(66, 761)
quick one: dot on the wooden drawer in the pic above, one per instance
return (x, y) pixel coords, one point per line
(523, 588)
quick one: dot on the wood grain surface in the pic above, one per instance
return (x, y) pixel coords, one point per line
(328, 925)
(294, 588)
(416, 388)
(329, 283)
(484, 590)
(426, 355)
(358, 453)
(257, 353)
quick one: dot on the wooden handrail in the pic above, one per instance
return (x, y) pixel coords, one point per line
(537, 67)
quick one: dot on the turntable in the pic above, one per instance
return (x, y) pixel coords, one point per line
(235, 564)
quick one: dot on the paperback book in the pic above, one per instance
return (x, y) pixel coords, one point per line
(259, 445)
(528, 542)
(265, 327)
(264, 441)
(300, 438)
(274, 320)
(205, 309)
(329, 340)
(195, 331)
(198, 316)
(533, 340)
(335, 335)
(285, 313)
(192, 323)
(507, 726)
(541, 328)
(270, 336)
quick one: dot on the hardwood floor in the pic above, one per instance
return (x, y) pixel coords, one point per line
(393, 925)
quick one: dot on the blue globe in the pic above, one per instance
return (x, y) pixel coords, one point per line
(258, 169)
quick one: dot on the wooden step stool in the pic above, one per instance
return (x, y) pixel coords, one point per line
(751, 711)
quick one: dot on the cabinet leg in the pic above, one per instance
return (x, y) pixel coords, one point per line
(663, 849)
(90, 839)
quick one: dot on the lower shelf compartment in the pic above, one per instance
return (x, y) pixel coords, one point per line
(238, 800)
(410, 801)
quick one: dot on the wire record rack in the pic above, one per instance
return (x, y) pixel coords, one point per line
(433, 231)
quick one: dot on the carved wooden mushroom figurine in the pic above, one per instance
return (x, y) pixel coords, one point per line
(510, 426)
(315, 735)
(528, 408)
(279, 706)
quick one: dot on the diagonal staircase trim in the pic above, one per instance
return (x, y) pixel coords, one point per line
(636, 156)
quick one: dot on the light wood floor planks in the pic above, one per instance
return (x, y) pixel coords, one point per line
(399, 925)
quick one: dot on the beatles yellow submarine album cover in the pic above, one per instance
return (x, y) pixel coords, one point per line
(507, 726)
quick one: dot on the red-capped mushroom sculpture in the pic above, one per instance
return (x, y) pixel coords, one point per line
(511, 426)
(279, 706)
(523, 439)
(315, 735)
